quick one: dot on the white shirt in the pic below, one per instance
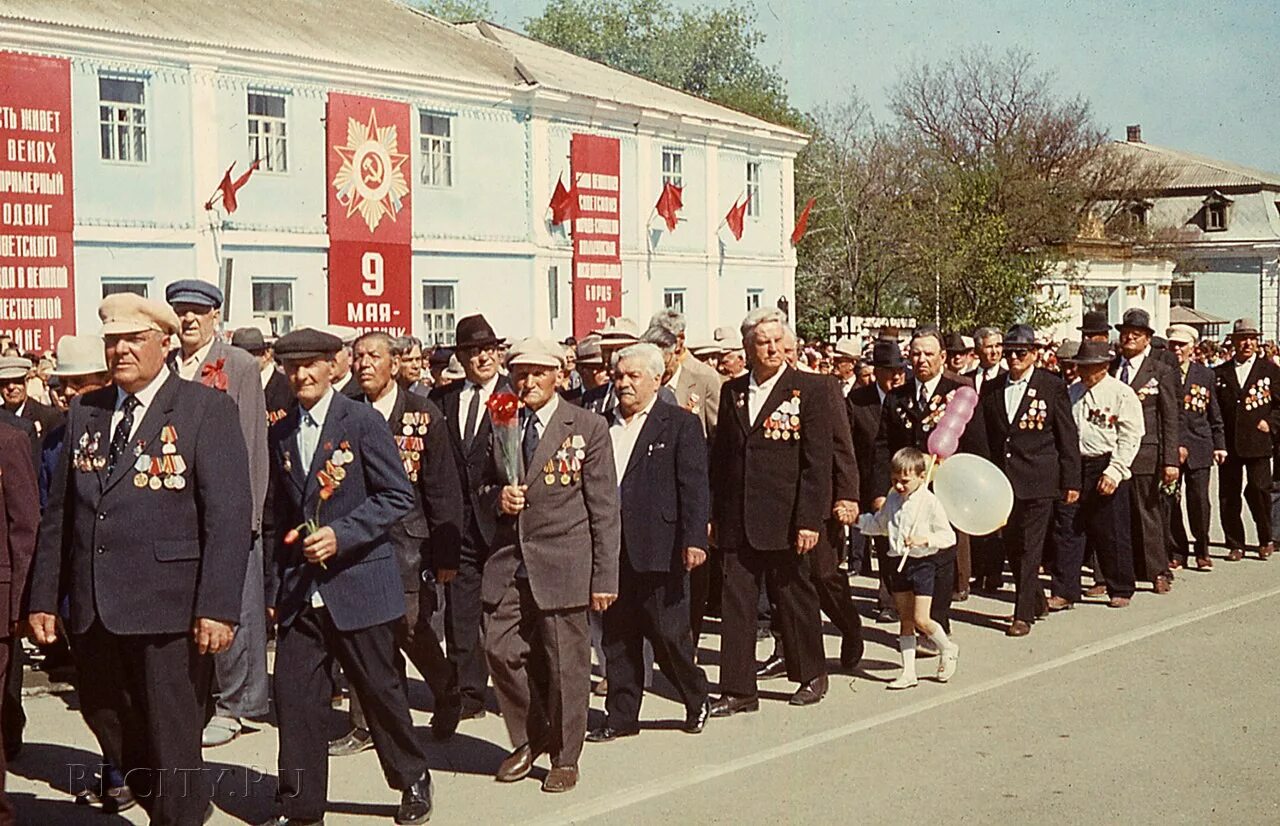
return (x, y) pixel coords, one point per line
(846, 386)
(983, 374)
(266, 374)
(1014, 390)
(931, 387)
(624, 434)
(1243, 370)
(145, 397)
(1135, 364)
(341, 384)
(758, 394)
(1109, 418)
(387, 403)
(187, 367)
(919, 516)
(469, 389)
(675, 377)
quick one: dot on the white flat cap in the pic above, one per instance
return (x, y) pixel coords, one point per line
(123, 313)
(538, 352)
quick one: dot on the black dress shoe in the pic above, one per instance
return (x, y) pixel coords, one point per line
(729, 705)
(608, 734)
(810, 693)
(353, 742)
(415, 802)
(444, 722)
(773, 667)
(696, 721)
(851, 649)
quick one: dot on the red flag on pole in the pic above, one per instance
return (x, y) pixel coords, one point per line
(228, 188)
(562, 203)
(735, 217)
(802, 223)
(670, 202)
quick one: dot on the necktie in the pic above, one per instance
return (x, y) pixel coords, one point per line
(530, 442)
(923, 401)
(1124, 372)
(308, 435)
(473, 415)
(120, 438)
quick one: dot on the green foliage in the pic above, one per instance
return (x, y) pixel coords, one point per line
(456, 11)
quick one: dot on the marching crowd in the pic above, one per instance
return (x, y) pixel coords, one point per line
(505, 514)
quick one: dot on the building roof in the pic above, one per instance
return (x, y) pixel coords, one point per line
(1190, 171)
(374, 34)
(1192, 316)
(563, 71)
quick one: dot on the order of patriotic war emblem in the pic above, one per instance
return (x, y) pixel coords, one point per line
(371, 180)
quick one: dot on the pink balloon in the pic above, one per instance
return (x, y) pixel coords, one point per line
(943, 442)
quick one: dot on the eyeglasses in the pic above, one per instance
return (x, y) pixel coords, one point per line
(1015, 352)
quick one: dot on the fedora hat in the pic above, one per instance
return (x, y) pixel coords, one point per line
(1020, 337)
(1137, 319)
(1091, 352)
(618, 329)
(1245, 327)
(887, 354)
(474, 331)
(1095, 323)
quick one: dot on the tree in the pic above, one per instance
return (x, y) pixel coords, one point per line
(708, 52)
(456, 11)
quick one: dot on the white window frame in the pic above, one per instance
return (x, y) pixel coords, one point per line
(281, 320)
(435, 151)
(125, 281)
(754, 296)
(673, 166)
(673, 298)
(753, 189)
(1210, 210)
(438, 323)
(268, 134)
(123, 118)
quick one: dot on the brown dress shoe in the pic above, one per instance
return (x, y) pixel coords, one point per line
(810, 693)
(517, 765)
(1265, 552)
(1204, 563)
(560, 779)
(601, 688)
(1057, 603)
(1162, 585)
(1018, 628)
(1096, 591)
(1175, 564)
(1118, 602)
(1235, 555)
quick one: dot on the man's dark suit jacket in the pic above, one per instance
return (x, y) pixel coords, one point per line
(1201, 418)
(27, 429)
(1156, 384)
(471, 461)
(45, 418)
(863, 405)
(19, 522)
(427, 539)
(1240, 424)
(665, 499)
(1042, 459)
(144, 560)
(904, 424)
(845, 479)
(279, 398)
(360, 585)
(763, 490)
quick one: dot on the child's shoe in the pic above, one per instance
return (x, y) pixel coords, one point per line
(903, 681)
(947, 663)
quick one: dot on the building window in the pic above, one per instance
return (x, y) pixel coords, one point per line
(1182, 294)
(553, 292)
(122, 119)
(437, 313)
(273, 300)
(1138, 215)
(672, 166)
(1215, 217)
(115, 286)
(753, 298)
(268, 132)
(1097, 298)
(435, 141)
(673, 299)
(753, 189)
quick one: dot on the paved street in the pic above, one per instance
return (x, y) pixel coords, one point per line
(1163, 712)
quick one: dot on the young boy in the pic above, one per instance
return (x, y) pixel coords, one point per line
(917, 527)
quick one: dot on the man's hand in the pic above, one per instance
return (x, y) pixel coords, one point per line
(445, 575)
(805, 540)
(845, 511)
(513, 501)
(1263, 426)
(1071, 497)
(1169, 475)
(212, 636)
(877, 503)
(601, 602)
(1106, 485)
(320, 545)
(1219, 456)
(44, 627)
(693, 557)
(1183, 453)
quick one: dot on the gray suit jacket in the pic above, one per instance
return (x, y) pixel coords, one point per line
(244, 385)
(698, 391)
(569, 536)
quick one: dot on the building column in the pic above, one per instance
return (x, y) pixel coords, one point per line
(713, 312)
(1269, 273)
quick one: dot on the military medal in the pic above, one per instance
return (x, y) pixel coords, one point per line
(140, 480)
(154, 483)
(169, 435)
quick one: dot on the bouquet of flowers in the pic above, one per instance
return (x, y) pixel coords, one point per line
(503, 410)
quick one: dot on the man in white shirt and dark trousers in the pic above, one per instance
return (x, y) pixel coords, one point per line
(1109, 418)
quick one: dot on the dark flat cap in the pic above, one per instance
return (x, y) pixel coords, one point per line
(1095, 323)
(1138, 319)
(1020, 336)
(193, 291)
(249, 338)
(307, 343)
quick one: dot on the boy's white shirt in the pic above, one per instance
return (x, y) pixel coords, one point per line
(919, 516)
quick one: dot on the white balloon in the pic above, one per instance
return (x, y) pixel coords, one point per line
(975, 494)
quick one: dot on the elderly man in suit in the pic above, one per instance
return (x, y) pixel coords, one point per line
(275, 387)
(469, 427)
(1031, 435)
(147, 534)
(337, 589)
(661, 461)
(696, 386)
(426, 539)
(555, 558)
(1202, 444)
(13, 397)
(1248, 390)
(240, 674)
(771, 467)
(1157, 462)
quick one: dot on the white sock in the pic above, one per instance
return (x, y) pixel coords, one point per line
(907, 645)
(939, 637)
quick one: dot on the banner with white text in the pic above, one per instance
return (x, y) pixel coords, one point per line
(597, 257)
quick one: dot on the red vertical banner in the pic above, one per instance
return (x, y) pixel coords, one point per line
(37, 205)
(370, 214)
(597, 257)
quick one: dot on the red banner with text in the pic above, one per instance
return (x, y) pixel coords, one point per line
(37, 207)
(597, 257)
(370, 214)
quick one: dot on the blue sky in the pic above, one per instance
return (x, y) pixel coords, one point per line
(1199, 76)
